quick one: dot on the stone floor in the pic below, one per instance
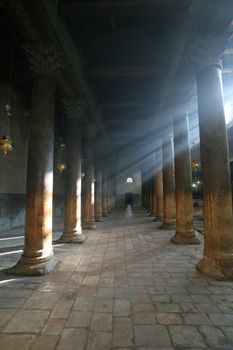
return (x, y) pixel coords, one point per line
(127, 287)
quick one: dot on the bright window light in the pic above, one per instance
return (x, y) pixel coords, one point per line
(228, 112)
(129, 180)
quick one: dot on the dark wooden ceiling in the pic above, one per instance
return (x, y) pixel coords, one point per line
(126, 51)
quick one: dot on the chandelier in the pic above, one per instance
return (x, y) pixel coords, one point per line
(61, 166)
(195, 163)
(5, 140)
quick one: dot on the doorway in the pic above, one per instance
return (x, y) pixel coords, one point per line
(129, 199)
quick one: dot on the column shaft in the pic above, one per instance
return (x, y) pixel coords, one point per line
(38, 258)
(169, 205)
(98, 193)
(218, 224)
(89, 187)
(159, 185)
(185, 233)
(153, 180)
(105, 194)
(72, 225)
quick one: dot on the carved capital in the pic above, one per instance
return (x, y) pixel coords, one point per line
(75, 108)
(90, 131)
(44, 59)
(208, 50)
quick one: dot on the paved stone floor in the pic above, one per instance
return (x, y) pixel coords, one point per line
(127, 287)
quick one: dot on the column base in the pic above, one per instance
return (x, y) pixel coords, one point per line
(105, 214)
(182, 238)
(158, 218)
(168, 225)
(33, 266)
(217, 269)
(73, 239)
(89, 226)
(99, 219)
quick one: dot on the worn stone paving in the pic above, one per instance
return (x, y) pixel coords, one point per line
(127, 287)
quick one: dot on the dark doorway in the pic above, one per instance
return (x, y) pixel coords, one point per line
(129, 199)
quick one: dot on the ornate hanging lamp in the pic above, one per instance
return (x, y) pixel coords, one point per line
(61, 166)
(5, 140)
(195, 163)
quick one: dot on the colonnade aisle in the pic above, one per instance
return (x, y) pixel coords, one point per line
(126, 287)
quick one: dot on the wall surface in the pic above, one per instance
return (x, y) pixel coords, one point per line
(13, 167)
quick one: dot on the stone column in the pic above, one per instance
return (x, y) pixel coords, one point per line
(109, 194)
(159, 185)
(113, 192)
(148, 198)
(143, 188)
(185, 233)
(72, 225)
(150, 186)
(217, 261)
(153, 178)
(38, 257)
(89, 180)
(98, 192)
(169, 204)
(105, 193)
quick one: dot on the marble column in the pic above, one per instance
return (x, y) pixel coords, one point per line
(38, 257)
(217, 261)
(98, 192)
(185, 233)
(105, 193)
(89, 180)
(72, 224)
(159, 185)
(169, 204)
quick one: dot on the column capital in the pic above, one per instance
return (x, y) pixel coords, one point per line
(90, 130)
(44, 59)
(207, 50)
(75, 108)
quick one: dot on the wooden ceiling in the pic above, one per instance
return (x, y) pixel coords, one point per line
(126, 50)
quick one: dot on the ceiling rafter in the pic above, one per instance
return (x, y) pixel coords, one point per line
(121, 8)
(127, 71)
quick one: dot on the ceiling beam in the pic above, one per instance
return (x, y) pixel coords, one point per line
(121, 8)
(127, 71)
(126, 104)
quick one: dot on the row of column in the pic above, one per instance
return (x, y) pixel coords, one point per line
(38, 257)
(217, 261)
